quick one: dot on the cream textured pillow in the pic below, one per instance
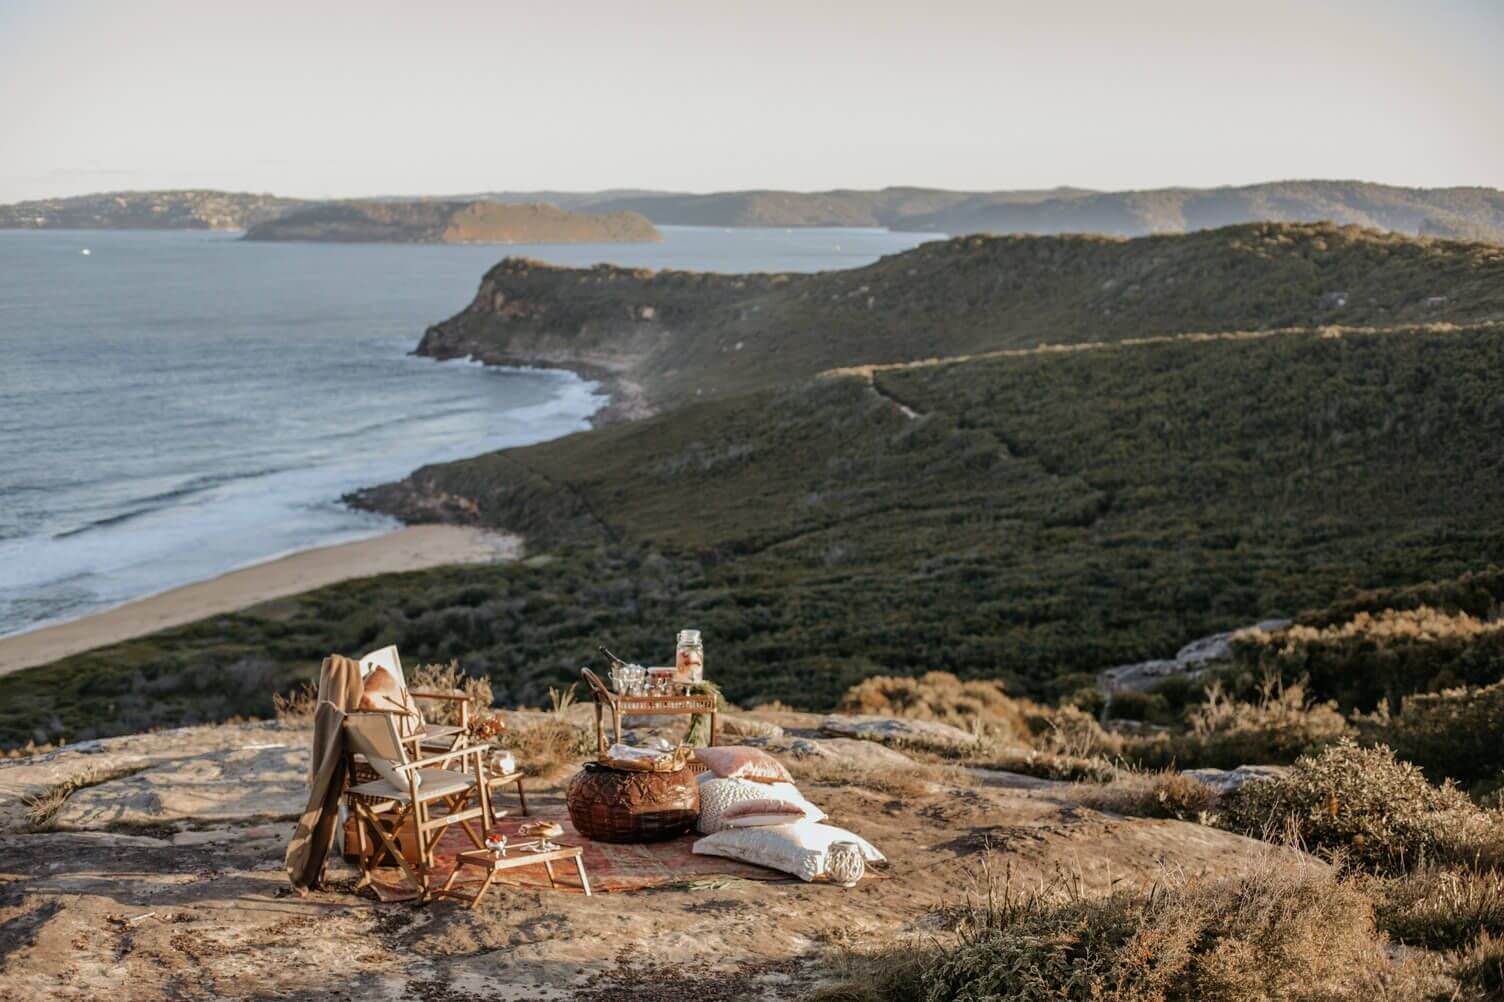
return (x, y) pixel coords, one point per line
(716, 795)
(797, 848)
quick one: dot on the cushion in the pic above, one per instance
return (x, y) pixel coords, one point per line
(798, 848)
(742, 762)
(759, 813)
(717, 795)
(382, 692)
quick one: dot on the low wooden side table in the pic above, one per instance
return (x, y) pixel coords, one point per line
(492, 862)
(512, 777)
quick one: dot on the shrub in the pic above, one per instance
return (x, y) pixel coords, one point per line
(1289, 932)
(449, 678)
(298, 705)
(1374, 657)
(1279, 727)
(1457, 733)
(983, 707)
(1364, 805)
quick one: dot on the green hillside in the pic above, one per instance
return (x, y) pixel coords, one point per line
(1043, 515)
(666, 337)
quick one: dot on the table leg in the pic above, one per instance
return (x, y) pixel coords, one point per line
(485, 886)
(521, 797)
(714, 729)
(550, 868)
(579, 865)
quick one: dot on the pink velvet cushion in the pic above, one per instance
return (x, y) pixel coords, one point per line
(742, 762)
(768, 811)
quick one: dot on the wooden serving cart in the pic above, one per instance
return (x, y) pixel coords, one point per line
(688, 705)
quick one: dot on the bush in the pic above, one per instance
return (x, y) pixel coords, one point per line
(1289, 932)
(1384, 656)
(1279, 727)
(1167, 794)
(449, 678)
(1362, 805)
(1457, 733)
(983, 707)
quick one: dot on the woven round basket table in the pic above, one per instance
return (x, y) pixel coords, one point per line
(614, 805)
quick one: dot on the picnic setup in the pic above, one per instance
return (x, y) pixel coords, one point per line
(437, 810)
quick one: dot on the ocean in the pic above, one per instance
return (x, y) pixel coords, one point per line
(174, 405)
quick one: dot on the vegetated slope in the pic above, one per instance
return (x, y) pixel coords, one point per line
(1469, 213)
(662, 338)
(148, 210)
(450, 222)
(1465, 213)
(1045, 514)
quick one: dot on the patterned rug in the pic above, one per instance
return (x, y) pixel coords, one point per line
(611, 867)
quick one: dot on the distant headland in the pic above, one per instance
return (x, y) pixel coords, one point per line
(439, 222)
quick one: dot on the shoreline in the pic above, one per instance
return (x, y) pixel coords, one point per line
(407, 549)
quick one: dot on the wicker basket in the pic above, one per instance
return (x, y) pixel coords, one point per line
(611, 805)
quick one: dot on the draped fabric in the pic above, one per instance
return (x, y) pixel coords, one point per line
(339, 693)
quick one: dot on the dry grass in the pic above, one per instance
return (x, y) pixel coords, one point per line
(1285, 931)
(543, 747)
(1166, 794)
(449, 678)
(43, 808)
(297, 706)
(1441, 909)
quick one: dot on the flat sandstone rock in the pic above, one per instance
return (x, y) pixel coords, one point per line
(228, 785)
(926, 734)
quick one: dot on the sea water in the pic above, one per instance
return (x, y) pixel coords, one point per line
(175, 405)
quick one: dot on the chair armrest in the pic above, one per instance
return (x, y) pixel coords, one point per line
(443, 757)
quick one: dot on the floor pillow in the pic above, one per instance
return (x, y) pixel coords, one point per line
(798, 848)
(743, 762)
(716, 795)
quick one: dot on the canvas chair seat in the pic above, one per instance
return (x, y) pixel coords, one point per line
(432, 783)
(431, 733)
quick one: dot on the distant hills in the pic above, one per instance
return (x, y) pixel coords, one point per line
(147, 210)
(1462, 213)
(478, 222)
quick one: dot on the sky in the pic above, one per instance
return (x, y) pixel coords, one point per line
(332, 99)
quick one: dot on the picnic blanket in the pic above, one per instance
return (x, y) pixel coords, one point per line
(611, 867)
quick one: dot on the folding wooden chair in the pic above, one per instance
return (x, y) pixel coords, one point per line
(433, 738)
(419, 791)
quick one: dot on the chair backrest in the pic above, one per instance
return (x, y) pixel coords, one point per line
(374, 735)
(385, 658)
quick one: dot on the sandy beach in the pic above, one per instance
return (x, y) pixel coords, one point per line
(406, 549)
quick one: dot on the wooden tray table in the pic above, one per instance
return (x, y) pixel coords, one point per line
(490, 862)
(691, 705)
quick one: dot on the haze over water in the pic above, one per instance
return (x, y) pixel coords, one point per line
(175, 405)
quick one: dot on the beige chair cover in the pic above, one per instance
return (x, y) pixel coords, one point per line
(339, 693)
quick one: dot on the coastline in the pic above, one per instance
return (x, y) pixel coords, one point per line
(406, 549)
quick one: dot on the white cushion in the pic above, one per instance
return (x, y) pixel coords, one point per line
(431, 783)
(799, 848)
(718, 794)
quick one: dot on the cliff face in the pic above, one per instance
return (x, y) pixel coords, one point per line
(148, 210)
(663, 338)
(451, 222)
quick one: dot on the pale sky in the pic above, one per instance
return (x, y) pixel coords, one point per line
(323, 99)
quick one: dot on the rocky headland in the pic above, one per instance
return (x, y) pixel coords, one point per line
(432, 222)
